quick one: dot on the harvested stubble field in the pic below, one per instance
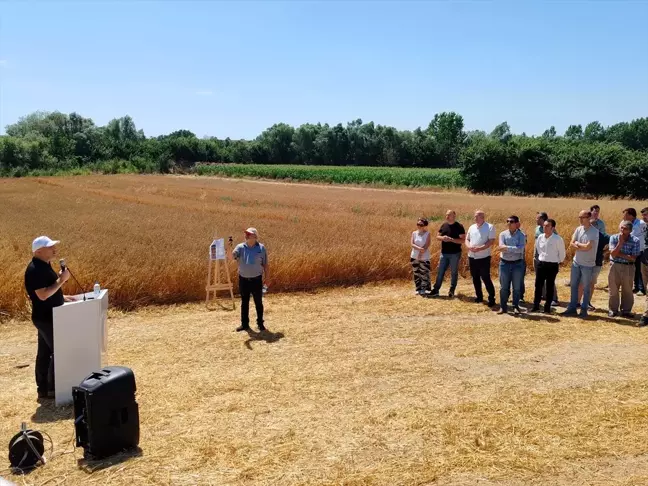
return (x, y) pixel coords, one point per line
(146, 237)
(359, 387)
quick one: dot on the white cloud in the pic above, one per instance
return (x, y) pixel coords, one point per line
(205, 92)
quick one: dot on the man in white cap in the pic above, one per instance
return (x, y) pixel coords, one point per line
(43, 285)
(252, 261)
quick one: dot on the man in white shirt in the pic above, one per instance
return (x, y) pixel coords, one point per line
(479, 240)
(585, 242)
(638, 228)
(550, 249)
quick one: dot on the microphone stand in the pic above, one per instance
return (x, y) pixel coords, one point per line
(78, 284)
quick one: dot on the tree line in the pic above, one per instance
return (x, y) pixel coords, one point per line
(609, 160)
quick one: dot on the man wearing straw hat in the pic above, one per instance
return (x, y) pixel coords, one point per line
(252, 261)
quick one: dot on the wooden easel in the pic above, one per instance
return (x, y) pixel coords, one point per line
(215, 281)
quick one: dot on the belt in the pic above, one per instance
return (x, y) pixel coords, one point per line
(623, 263)
(512, 261)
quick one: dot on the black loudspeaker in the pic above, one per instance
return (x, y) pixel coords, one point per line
(107, 415)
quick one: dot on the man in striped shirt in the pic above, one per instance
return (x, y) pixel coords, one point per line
(624, 250)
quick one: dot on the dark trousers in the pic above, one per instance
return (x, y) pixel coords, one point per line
(638, 279)
(480, 271)
(45, 357)
(254, 287)
(546, 273)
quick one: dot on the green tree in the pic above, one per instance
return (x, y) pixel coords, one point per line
(446, 129)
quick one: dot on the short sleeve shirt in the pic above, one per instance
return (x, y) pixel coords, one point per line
(251, 259)
(39, 275)
(582, 235)
(454, 230)
(478, 236)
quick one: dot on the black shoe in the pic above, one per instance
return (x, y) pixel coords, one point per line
(517, 311)
(451, 294)
(478, 300)
(536, 308)
(242, 328)
(627, 315)
(46, 395)
(434, 293)
(261, 327)
(548, 311)
(491, 302)
(643, 321)
(569, 313)
(502, 311)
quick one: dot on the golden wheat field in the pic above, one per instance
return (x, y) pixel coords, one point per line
(146, 238)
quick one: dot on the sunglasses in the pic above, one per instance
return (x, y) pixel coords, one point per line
(420, 225)
(509, 221)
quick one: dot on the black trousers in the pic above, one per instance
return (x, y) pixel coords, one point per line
(253, 287)
(480, 271)
(45, 357)
(546, 273)
(638, 279)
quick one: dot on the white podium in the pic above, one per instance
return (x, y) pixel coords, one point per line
(79, 339)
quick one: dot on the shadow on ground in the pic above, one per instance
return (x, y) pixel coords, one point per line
(266, 336)
(90, 465)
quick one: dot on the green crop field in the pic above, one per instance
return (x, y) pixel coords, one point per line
(381, 176)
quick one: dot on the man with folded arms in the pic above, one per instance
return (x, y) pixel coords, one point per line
(624, 250)
(585, 242)
(511, 268)
(550, 251)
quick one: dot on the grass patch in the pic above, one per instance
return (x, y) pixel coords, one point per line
(382, 176)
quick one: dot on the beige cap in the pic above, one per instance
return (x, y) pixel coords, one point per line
(252, 231)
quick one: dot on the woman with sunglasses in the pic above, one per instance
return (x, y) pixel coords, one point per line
(420, 257)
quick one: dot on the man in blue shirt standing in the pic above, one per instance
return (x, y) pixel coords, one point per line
(511, 269)
(624, 250)
(253, 267)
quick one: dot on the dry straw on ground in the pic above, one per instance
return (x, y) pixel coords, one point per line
(146, 237)
(358, 387)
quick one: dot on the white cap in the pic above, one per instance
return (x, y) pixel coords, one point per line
(252, 231)
(43, 242)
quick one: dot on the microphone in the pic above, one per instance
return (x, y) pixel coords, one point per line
(63, 268)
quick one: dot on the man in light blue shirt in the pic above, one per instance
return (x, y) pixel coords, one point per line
(511, 268)
(253, 267)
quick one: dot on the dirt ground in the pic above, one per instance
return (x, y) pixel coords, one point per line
(356, 387)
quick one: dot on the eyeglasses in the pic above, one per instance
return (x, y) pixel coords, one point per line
(420, 224)
(509, 221)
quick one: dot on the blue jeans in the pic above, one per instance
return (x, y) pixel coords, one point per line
(580, 275)
(510, 273)
(452, 260)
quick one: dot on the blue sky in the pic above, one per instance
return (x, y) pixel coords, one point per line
(233, 69)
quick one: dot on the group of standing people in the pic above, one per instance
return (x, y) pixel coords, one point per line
(628, 260)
